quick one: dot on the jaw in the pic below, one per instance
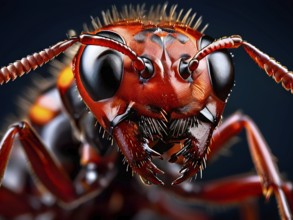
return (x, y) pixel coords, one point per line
(182, 141)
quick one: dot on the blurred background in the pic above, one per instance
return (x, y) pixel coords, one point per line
(30, 26)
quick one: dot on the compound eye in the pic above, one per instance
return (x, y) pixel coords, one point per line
(221, 69)
(101, 69)
(148, 72)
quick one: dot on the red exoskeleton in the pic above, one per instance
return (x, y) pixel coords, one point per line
(153, 86)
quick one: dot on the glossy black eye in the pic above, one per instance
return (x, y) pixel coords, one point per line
(112, 35)
(221, 69)
(184, 70)
(148, 72)
(101, 69)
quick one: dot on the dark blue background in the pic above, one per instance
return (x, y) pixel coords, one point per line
(29, 26)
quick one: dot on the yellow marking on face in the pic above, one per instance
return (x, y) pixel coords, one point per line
(65, 78)
(41, 115)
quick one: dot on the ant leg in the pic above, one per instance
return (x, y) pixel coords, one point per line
(14, 203)
(43, 164)
(228, 191)
(262, 158)
(170, 209)
(268, 179)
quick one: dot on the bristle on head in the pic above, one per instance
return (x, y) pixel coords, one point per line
(154, 15)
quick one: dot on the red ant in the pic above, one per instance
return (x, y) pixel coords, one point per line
(153, 86)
